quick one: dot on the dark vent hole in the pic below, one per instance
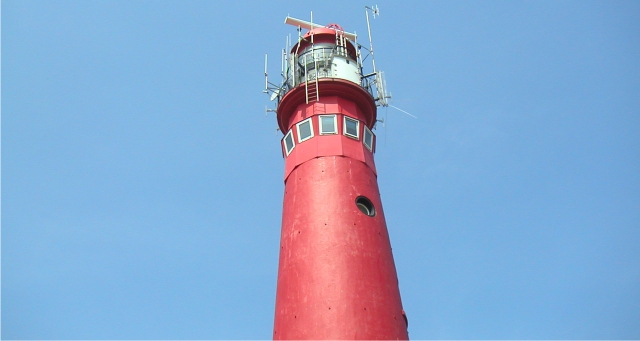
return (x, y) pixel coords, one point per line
(365, 206)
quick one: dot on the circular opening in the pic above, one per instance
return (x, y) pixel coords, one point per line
(365, 206)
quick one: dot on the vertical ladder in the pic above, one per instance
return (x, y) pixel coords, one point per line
(306, 81)
(312, 91)
(311, 88)
(315, 91)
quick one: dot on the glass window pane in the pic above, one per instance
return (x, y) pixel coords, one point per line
(368, 138)
(328, 125)
(288, 142)
(351, 127)
(305, 130)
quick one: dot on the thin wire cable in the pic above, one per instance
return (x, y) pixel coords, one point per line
(393, 106)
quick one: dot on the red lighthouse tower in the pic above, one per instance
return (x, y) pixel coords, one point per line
(336, 275)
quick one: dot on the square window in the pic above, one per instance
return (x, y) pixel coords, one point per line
(368, 138)
(288, 142)
(328, 124)
(351, 127)
(305, 130)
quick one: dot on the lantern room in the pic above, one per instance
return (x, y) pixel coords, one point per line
(325, 61)
(324, 52)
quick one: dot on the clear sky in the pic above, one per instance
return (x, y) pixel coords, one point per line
(142, 183)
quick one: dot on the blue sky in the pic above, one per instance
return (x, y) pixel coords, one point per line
(142, 183)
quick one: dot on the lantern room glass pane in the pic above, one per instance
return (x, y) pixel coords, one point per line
(305, 130)
(351, 127)
(328, 124)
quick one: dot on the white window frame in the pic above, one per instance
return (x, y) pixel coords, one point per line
(284, 142)
(335, 124)
(300, 140)
(364, 138)
(357, 135)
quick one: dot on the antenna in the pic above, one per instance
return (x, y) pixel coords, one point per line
(266, 76)
(310, 26)
(381, 86)
(378, 77)
(267, 110)
(375, 11)
(282, 61)
(275, 94)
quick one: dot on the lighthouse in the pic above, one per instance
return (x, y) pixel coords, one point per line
(336, 274)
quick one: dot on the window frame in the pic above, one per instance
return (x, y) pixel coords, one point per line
(364, 138)
(335, 124)
(300, 140)
(284, 142)
(344, 131)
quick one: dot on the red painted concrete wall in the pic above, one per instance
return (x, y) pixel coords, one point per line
(336, 276)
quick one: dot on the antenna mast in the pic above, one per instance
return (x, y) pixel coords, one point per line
(375, 11)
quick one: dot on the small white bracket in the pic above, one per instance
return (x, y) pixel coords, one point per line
(267, 110)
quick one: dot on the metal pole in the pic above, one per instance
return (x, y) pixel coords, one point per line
(373, 61)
